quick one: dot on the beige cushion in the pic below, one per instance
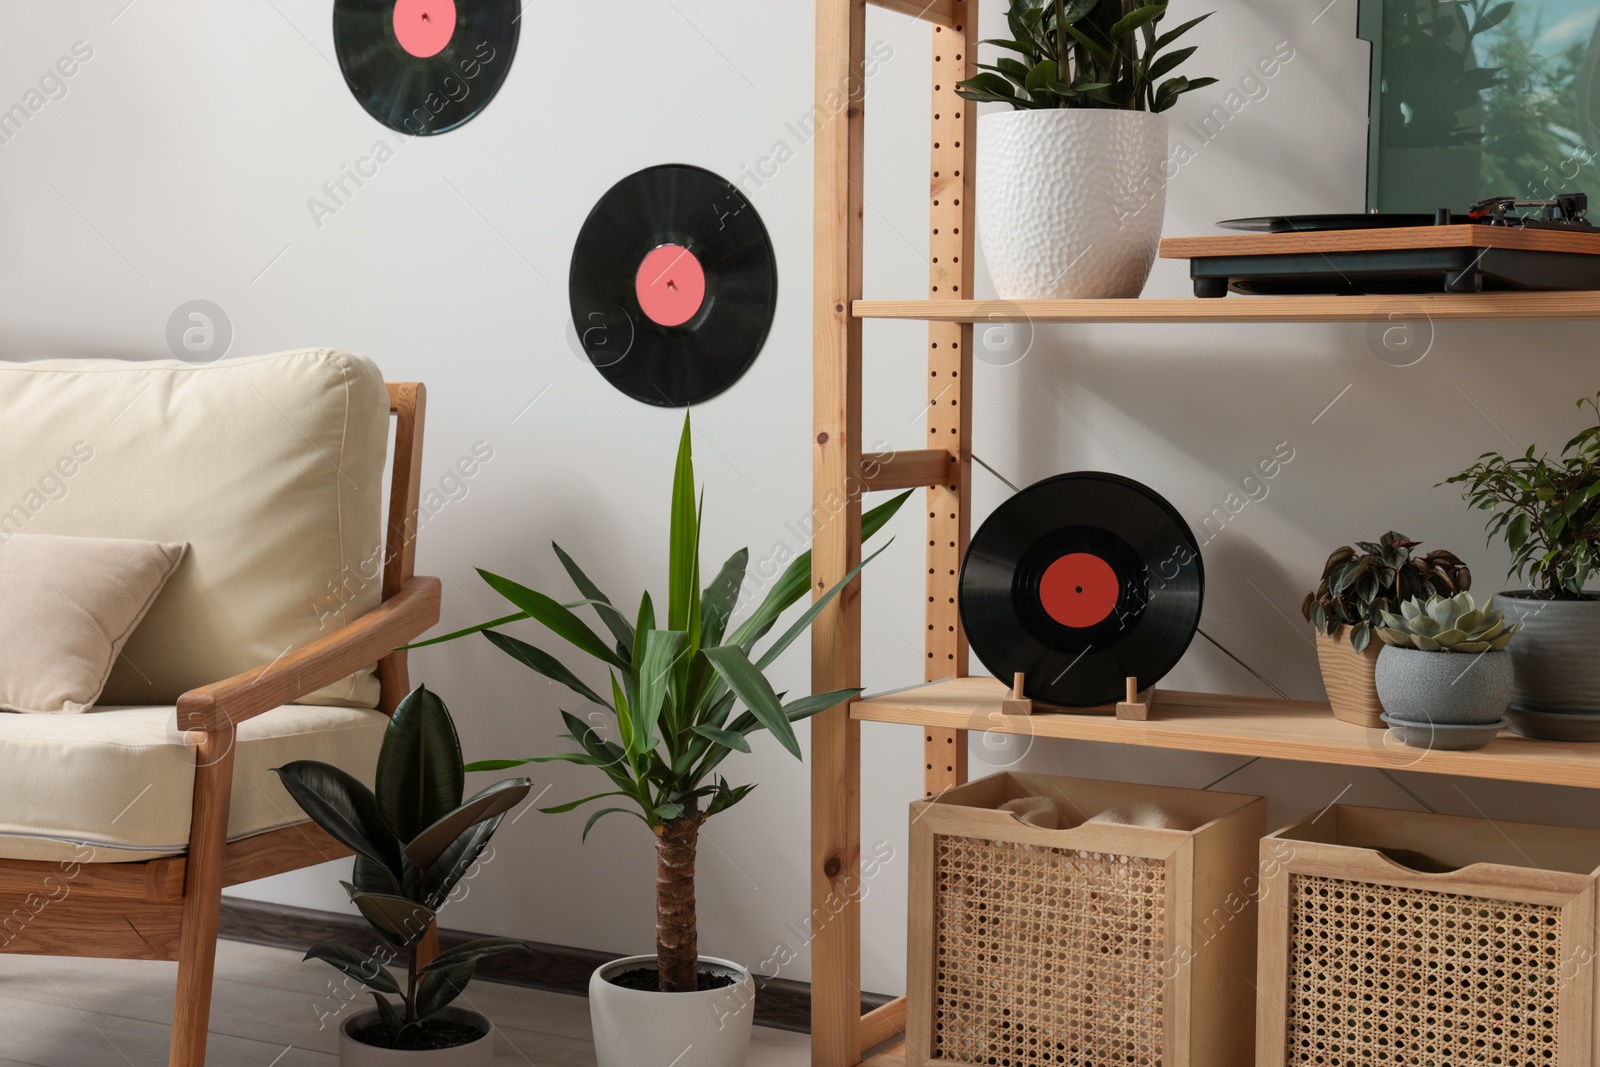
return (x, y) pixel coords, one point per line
(271, 468)
(67, 606)
(120, 781)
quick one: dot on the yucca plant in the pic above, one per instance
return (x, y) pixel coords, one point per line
(673, 692)
(1447, 624)
(414, 838)
(1360, 583)
(1547, 510)
(1086, 54)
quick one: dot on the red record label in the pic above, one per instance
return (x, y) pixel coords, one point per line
(671, 285)
(1079, 590)
(424, 27)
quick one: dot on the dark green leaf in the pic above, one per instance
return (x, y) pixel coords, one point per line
(541, 661)
(683, 537)
(490, 625)
(603, 812)
(425, 849)
(495, 765)
(716, 604)
(614, 620)
(725, 738)
(1169, 61)
(473, 951)
(755, 691)
(363, 968)
(662, 651)
(339, 803)
(573, 805)
(554, 617)
(419, 777)
(457, 861)
(406, 920)
(805, 620)
(1136, 18)
(440, 986)
(388, 1015)
(1178, 31)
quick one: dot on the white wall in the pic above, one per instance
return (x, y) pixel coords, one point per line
(179, 165)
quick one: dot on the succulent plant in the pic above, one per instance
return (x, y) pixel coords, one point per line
(1447, 624)
(1357, 586)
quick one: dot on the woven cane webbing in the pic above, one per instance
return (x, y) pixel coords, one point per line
(1047, 956)
(1381, 976)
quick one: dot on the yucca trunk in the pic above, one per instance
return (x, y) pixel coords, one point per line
(677, 940)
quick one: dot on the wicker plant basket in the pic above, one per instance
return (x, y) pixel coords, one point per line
(1366, 959)
(1348, 676)
(1098, 944)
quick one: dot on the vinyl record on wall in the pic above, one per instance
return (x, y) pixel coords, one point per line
(1080, 582)
(674, 285)
(425, 66)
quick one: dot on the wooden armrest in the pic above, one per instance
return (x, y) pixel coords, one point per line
(396, 621)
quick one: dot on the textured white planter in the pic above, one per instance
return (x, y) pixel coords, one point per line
(1070, 201)
(480, 1053)
(634, 1028)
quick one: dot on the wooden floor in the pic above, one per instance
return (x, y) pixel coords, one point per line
(267, 1013)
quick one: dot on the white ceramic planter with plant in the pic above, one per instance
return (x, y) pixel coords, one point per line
(415, 835)
(1547, 510)
(1072, 180)
(1444, 675)
(675, 685)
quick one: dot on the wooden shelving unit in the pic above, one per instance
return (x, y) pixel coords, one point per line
(951, 704)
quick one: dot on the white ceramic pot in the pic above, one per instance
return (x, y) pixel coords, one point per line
(635, 1028)
(1556, 652)
(1070, 201)
(480, 1053)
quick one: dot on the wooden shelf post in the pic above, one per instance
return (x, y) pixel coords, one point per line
(836, 545)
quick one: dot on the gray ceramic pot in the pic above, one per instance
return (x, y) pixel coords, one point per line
(1556, 652)
(1446, 688)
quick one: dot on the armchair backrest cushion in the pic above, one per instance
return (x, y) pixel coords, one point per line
(271, 468)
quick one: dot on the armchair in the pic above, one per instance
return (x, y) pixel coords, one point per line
(120, 885)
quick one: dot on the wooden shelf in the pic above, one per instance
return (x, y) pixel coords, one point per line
(1437, 307)
(1299, 730)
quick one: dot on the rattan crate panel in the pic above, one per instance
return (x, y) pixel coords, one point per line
(1047, 956)
(1380, 976)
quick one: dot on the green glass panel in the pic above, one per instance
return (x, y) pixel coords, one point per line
(1477, 98)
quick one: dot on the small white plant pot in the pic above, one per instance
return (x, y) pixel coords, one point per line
(479, 1053)
(636, 1028)
(1071, 201)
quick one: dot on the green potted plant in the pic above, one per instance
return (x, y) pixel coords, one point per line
(1444, 676)
(414, 838)
(1547, 511)
(674, 688)
(1086, 81)
(1358, 584)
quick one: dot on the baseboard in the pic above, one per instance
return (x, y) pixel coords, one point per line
(781, 1003)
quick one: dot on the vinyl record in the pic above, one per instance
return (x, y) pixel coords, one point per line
(425, 66)
(673, 285)
(1080, 582)
(1320, 223)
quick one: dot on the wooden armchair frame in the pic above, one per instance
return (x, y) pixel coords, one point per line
(169, 908)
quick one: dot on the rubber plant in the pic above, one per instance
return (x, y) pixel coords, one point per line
(414, 837)
(1547, 510)
(1362, 582)
(685, 693)
(1088, 54)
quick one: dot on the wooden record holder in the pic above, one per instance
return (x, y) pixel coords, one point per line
(1134, 708)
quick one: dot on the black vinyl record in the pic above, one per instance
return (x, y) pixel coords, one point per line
(1080, 582)
(673, 286)
(425, 66)
(1320, 223)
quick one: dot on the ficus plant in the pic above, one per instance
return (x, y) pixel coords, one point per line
(414, 837)
(1086, 54)
(685, 692)
(1546, 509)
(1360, 583)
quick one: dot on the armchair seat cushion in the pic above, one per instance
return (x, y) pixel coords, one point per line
(119, 782)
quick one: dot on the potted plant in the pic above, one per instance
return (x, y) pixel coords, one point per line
(674, 688)
(1358, 584)
(1547, 510)
(414, 838)
(1444, 676)
(1071, 183)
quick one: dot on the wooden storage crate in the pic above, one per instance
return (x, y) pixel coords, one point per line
(1096, 945)
(1367, 961)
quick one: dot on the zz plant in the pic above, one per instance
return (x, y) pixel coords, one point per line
(414, 838)
(674, 686)
(1361, 583)
(1547, 510)
(1086, 54)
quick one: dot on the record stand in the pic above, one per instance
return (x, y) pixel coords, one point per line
(1136, 706)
